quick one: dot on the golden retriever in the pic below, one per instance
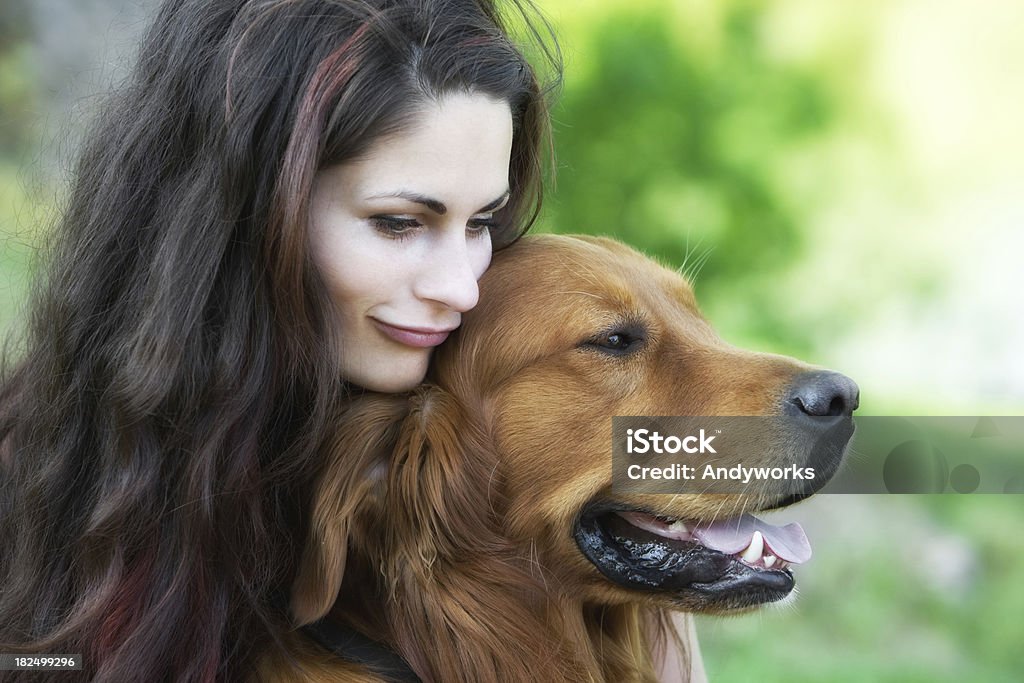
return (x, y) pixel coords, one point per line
(469, 531)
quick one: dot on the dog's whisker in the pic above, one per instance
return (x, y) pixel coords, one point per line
(682, 270)
(582, 293)
(693, 269)
(491, 487)
(699, 264)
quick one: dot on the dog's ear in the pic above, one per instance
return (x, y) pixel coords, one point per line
(447, 560)
(366, 434)
(441, 484)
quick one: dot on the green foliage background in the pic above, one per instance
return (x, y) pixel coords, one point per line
(767, 149)
(673, 145)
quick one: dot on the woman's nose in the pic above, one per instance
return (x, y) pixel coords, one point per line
(449, 275)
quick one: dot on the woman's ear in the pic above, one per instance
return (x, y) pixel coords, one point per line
(366, 435)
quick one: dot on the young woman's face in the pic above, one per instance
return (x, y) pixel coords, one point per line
(401, 236)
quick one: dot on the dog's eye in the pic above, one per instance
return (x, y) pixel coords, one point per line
(617, 342)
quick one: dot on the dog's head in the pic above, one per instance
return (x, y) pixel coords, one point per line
(511, 438)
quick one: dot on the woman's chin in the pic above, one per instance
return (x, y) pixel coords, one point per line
(391, 376)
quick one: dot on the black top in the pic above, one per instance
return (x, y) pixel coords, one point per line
(355, 647)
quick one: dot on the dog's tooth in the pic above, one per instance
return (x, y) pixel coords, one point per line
(678, 526)
(769, 560)
(753, 552)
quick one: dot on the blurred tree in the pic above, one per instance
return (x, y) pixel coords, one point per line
(673, 141)
(15, 85)
(13, 18)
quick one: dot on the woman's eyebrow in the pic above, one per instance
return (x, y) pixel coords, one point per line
(435, 205)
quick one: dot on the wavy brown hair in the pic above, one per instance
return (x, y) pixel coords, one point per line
(159, 432)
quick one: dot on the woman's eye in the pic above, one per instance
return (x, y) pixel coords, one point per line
(482, 226)
(395, 227)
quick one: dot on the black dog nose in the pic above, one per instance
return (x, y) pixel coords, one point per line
(823, 394)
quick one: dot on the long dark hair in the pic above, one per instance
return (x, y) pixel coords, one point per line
(159, 432)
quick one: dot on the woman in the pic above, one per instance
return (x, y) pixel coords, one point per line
(289, 200)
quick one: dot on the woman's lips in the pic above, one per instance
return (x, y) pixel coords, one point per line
(416, 337)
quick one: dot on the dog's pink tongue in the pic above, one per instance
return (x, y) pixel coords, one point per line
(732, 536)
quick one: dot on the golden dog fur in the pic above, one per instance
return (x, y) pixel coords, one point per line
(442, 526)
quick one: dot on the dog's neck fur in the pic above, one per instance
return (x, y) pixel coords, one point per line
(530, 630)
(429, 569)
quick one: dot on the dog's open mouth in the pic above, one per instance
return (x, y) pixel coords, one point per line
(723, 565)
